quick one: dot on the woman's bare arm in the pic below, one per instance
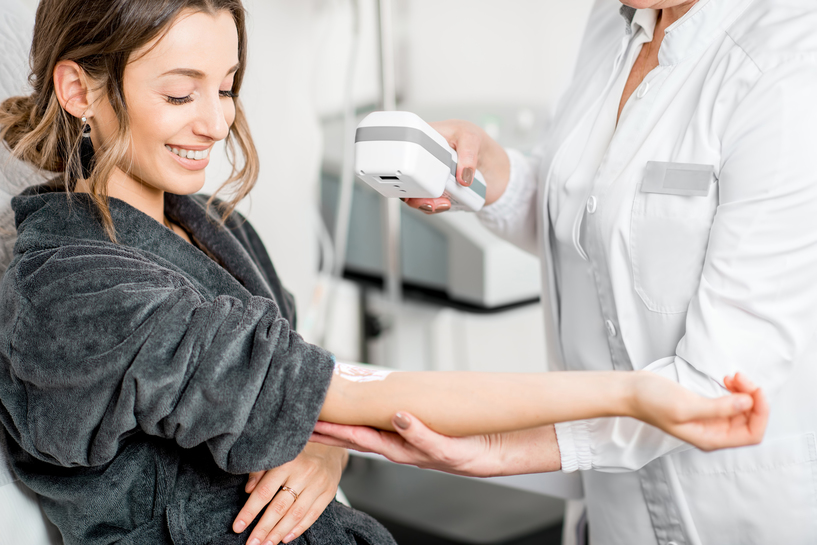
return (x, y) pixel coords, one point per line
(536, 450)
(462, 404)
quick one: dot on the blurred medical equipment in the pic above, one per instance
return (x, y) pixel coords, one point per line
(400, 155)
(450, 258)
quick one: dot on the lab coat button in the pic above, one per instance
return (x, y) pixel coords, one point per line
(611, 330)
(591, 205)
(643, 89)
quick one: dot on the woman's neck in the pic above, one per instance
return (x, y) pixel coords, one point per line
(146, 199)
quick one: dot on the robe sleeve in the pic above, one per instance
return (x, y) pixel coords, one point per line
(102, 344)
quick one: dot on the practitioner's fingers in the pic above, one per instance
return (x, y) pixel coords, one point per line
(418, 435)
(360, 438)
(430, 206)
(467, 139)
(330, 441)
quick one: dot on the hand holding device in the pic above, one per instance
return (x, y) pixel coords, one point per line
(400, 155)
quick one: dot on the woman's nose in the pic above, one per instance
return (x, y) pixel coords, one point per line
(212, 119)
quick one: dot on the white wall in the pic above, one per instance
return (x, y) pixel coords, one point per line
(278, 94)
(517, 52)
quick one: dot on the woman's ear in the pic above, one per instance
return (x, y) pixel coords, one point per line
(71, 88)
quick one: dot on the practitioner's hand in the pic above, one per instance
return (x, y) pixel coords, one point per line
(528, 451)
(314, 475)
(475, 151)
(709, 424)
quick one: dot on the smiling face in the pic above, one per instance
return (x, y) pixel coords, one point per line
(180, 103)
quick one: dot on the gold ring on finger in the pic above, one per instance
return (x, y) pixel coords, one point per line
(288, 489)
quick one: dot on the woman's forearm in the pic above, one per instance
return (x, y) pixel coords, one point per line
(459, 404)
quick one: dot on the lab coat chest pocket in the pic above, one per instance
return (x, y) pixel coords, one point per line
(673, 210)
(753, 495)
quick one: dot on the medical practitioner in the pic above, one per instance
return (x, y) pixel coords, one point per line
(673, 203)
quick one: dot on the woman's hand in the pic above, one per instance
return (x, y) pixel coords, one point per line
(314, 476)
(511, 453)
(475, 151)
(709, 424)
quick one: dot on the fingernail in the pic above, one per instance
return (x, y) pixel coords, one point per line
(239, 526)
(289, 538)
(255, 541)
(443, 207)
(269, 543)
(402, 421)
(426, 208)
(743, 404)
(468, 175)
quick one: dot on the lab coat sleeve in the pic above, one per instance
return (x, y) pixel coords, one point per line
(754, 309)
(513, 216)
(123, 345)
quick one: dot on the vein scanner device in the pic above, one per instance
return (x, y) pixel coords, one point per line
(400, 155)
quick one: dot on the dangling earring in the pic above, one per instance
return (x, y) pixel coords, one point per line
(86, 150)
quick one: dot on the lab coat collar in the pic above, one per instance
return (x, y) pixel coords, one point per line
(690, 34)
(643, 19)
(693, 32)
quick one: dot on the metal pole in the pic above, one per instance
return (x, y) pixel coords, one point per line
(390, 211)
(347, 178)
(390, 208)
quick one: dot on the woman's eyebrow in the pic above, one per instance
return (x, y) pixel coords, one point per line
(193, 73)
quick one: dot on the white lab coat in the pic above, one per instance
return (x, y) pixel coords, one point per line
(694, 278)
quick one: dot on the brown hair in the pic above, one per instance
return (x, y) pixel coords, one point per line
(100, 36)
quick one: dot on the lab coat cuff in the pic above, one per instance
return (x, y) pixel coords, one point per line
(516, 192)
(573, 439)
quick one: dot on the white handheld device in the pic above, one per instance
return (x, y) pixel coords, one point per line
(400, 155)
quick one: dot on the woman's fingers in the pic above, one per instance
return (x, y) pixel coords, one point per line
(252, 480)
(264, 491)
(759, 416)
(300, 513)
(282, 504)
(301, 517)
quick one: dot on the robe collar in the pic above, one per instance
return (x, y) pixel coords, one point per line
(48, 218)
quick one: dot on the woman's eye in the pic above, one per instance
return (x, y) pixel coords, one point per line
(227, 94)
(180, 100)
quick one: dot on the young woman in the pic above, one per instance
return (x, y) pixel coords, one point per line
(147, 356)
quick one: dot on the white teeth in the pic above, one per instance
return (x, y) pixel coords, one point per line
(189, 154)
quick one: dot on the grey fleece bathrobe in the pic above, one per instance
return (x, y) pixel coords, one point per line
(141, 381)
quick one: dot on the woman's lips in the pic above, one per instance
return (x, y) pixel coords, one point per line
(189, 158)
